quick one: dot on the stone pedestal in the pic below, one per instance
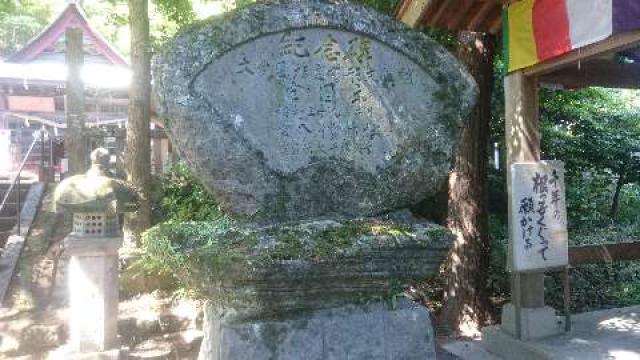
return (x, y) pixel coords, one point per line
(311, 290)
(536, 323)
(93, 290)
(371, 332)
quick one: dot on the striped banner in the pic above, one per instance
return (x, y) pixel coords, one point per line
(538, 30)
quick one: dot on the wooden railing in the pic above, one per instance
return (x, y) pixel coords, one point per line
(604, 253)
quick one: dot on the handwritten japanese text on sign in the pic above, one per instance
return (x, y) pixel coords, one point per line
(538, 216)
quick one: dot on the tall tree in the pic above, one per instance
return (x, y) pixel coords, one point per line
(138, 153)
(466, 306)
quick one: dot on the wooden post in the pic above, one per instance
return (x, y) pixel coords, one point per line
(74, 140)
(523, 144)
(526, 317)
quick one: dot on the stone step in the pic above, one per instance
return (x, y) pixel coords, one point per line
(144, 317)
(178, 345)
(8, 210)
(7, 224)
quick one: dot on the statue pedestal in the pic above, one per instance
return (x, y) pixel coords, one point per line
(93, 290)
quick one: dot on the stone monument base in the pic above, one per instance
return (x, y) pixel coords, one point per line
(367, 332)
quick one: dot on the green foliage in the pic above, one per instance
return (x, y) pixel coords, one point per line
(181, 197)
(593, 129)
(21, 20)
(594, 286)
(588, 200)
(178, 11)
(384, 6)
(603, 285)
(188, 251)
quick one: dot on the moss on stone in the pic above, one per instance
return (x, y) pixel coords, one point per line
(260, 269)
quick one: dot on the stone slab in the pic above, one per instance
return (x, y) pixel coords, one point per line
(469, 350)
(291, 110)
(608, 334)
(372, 332)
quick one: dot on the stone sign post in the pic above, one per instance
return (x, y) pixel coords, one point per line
(95, 200)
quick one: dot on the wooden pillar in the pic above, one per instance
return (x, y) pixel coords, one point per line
(523, 144)
(120, 146)
(74, 140)
(156, 156)
(164, 144)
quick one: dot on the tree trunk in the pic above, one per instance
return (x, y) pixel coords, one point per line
(75, 140)
(466, 306)
(615, 204)
(138, 153)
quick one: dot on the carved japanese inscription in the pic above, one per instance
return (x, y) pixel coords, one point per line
(323, 93)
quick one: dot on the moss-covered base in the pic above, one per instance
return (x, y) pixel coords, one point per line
(275, 271)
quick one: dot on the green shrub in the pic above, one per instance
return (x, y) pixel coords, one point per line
(179, 196)
(176, 249)
(588, 200)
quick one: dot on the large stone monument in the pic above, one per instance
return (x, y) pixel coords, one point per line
(315, 123)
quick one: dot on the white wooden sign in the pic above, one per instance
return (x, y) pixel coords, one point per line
(539, 238)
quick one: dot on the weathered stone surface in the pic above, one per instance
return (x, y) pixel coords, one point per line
(297, 109)
(372, 332)
(278, 271)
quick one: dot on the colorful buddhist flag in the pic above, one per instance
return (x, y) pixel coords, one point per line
(537, 30)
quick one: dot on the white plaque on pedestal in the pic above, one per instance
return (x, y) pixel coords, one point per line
(539, 238)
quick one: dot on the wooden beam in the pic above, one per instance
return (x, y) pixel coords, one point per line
(412, 11)
(462, 9)
(433, 21)
(600, 73)
(604, 253)
(615, 43)
(495, 24)
(480, 16)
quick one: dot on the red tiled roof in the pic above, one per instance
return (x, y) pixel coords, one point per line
(71, 17)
